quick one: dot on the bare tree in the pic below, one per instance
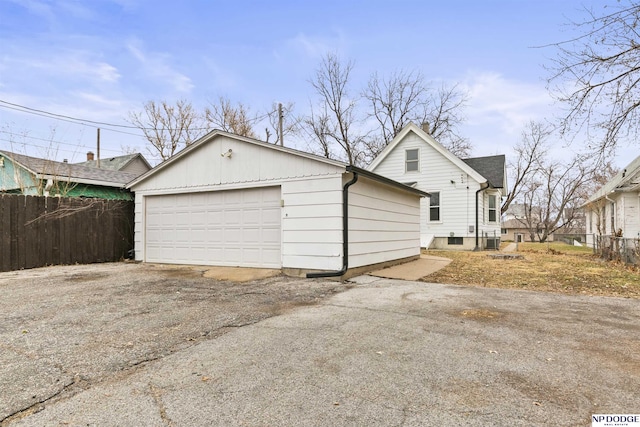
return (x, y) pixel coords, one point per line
(550, 190)
(231, 118)
(444, 114)
(597, 75)
(339, 116)
(600, 177)
(529, 153)
(168, 127)
(405, 97)
(558, 198)
(317, 124)
(396, 101)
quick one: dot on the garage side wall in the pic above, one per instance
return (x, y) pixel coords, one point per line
(384, 223)
(312, 223)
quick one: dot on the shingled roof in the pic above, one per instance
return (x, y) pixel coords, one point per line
(76, 173)
(490, 167)
(114, 163)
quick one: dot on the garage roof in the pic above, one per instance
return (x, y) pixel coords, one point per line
(212, 135)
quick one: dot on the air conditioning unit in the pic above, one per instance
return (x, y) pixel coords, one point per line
(493, 243)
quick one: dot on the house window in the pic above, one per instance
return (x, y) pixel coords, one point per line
(493, 212)
(503, 231)
(454, 240)
(412, 160)
(434, 206)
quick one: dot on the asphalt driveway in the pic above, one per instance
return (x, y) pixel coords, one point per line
(385, 352)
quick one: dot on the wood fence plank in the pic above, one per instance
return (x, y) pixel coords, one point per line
(95, 231)
(5, 233)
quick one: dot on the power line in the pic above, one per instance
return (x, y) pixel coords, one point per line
(93, 123)
(35, 111)
(41, 139)
(147, 156)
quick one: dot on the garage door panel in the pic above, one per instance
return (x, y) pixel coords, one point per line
(238, 227)
(271, 235)
(271, 216)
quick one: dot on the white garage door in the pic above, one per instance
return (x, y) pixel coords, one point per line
(229, 228)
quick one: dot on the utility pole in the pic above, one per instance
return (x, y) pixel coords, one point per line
(98, 147)
(280, 118)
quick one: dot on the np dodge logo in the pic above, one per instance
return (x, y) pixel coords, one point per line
(615, 420)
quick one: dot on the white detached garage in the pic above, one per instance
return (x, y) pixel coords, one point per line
(233, 201)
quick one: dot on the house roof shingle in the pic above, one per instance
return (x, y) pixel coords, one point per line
(490, 167)
(71, 171)
(114, 163)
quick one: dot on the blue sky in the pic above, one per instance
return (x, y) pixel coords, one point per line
(100, 59)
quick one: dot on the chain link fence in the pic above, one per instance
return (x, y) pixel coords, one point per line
(618, 248)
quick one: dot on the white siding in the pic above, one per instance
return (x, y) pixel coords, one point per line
(383, 223)
(206, 167)
(137, 166)
(250, 166)
(312, 223)
(437, 173)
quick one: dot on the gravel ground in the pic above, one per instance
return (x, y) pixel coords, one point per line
(63, 329)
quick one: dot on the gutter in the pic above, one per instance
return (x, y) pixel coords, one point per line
(345, 233)
(483, 187)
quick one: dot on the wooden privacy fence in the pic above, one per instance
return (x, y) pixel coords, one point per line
(38, 231)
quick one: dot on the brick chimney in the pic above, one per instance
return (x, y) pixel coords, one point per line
(425, 127)
(89, 156)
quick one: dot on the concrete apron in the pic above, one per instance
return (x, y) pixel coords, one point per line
(413, 270)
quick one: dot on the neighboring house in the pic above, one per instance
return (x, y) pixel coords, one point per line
(229, 200)
(517, 227)
(131, 163)
(463, 211)
(614, 210)
(20, 174)
(515, 230)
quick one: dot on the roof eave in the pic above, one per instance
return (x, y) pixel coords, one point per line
(211, 136)
(82, 181)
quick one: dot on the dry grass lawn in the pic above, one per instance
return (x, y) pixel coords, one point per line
(553, 267)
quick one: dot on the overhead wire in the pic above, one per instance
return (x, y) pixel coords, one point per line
(88, 123)
(94, 123)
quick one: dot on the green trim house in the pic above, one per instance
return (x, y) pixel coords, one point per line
(20, 174)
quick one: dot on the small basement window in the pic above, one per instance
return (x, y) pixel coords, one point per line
(454, 240)
(412, 160)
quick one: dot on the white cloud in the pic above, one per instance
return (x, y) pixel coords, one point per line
(72, 65)
(156, 65)
(316, 47)
(510, 104)
(498, 110)
(39, 8)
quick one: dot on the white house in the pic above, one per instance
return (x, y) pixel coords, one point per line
(463, 211)
(615, 208)
(234, 201)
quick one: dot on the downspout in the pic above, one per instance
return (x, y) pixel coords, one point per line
(486, 184)
(345, 234)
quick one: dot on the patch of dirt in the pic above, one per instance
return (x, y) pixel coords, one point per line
(480, 314)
